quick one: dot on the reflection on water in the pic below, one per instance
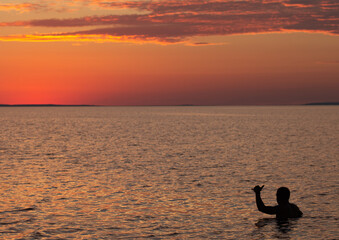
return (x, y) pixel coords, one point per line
(272, 227)
(166, 172)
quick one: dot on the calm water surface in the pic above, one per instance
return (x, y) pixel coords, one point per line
(166, 172)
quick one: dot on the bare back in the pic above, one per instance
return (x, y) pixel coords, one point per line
(288, 210)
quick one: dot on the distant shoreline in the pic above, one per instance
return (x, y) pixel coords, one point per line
(322, 104)
(181, 105)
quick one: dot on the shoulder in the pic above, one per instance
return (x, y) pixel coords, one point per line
(294, 206)
(296, 210)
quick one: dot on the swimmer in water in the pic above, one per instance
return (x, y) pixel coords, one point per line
(283, 210)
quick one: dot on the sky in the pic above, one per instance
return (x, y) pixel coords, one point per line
(169, 52)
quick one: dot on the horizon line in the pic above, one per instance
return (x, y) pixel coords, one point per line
(165, 105)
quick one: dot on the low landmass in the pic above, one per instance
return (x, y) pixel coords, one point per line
(322, 103)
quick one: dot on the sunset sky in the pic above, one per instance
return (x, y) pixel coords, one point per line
(169, 52)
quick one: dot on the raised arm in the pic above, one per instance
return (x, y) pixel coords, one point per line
(260, 204)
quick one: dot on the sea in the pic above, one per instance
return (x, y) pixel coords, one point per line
(182, 172)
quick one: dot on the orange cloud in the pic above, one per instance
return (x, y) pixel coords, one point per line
(23, 7)
(97, 38)
(176, 21)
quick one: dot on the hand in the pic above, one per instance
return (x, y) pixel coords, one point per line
(257, 189)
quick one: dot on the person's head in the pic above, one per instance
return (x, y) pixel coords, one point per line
(283, 195)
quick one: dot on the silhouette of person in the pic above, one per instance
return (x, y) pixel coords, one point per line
(283, 210)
